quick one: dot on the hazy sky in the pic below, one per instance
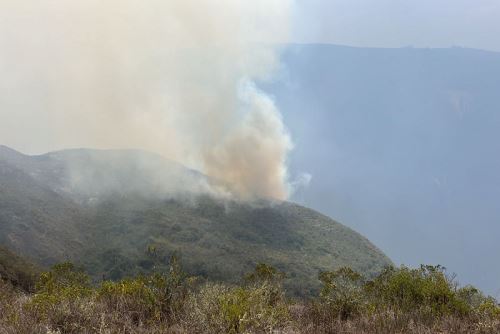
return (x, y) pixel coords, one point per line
(397, 23)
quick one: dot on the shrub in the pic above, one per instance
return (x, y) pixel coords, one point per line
(64, 282)
(157, 297)
(342, 292)
(399, 300)
(426, 289)
(265, 273)
(221, 309)
(489, 308)
(130, 297)
(7, 298)
(61, 298)
(258, 306)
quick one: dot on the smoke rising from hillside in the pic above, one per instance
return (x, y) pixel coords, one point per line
(173, 77)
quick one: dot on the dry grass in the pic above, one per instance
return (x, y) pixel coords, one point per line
(309, 321)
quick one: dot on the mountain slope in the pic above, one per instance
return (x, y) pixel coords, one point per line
(34, 219)
(121, 212)
(17, 271)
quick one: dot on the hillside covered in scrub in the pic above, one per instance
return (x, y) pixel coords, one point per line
(122, 213)
(17, 271)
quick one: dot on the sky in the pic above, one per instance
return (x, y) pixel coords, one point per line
(456, 223)
(401, 145)
(399, 23)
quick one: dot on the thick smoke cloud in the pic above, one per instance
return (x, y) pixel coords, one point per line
(173, 77)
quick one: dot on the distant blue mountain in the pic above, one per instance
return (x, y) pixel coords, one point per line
(403, 146)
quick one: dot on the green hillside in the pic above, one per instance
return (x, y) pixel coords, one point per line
(94, 208)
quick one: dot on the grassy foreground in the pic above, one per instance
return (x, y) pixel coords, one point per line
(399, 300)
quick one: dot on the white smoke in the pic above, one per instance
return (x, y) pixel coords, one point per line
(302, 181)
(170, 76)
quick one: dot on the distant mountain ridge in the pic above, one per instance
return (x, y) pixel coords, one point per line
(107, 210)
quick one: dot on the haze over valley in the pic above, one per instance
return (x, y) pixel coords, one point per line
(249, 166)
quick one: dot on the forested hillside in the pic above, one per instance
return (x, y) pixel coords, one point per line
(120, 213)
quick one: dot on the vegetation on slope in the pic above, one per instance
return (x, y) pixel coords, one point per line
(17, 271)
(52, 215)
(399, 300)
(222, 241)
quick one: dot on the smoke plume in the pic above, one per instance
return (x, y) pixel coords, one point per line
(175, 77)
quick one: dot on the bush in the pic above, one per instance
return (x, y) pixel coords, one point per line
(399, 300)
(221, 309)
(341, 292)
(7, 298)
(265, 273)
(157, 297)
(479, 304)
(258, 306)
(61, 297)
(426, 289)
(63, 283)
(489, 308)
